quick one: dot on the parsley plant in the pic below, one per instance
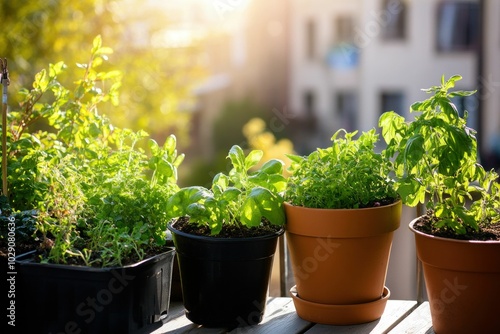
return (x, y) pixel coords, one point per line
(347, 175)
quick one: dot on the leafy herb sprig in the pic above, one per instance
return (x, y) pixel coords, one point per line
(436, 161)
(240, 198)
(347, 175)
(99, 192)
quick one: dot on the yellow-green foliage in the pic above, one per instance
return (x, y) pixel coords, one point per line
(157, 81)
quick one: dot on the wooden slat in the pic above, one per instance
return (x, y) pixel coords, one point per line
(280, 317)
(177, 323)
(418, 322)
(395, 311)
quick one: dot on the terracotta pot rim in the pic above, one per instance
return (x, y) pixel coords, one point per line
(343, 223)
(415, 231)
(339, 210)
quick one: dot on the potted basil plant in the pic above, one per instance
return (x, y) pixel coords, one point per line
(341, 210)
(96, 194)
(225, 239)
(458, 237)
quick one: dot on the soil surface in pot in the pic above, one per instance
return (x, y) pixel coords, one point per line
(228, 231)
(491, 232)
(43, 249)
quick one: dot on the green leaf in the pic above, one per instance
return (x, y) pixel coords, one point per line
(165, 168)
(451, 82)
(253, 158)
(94, 130)
(462, 93)
(277, 183)
(414, 150)
(80, 92)
(104, 51)
(177, 204)
(196, 210)
(237, 157)
(56, 69)
(295, 158)
(262, 203)
(41, 80)
(392, 126)
(411, 192)
(96, 44)
(273, 166)
(179, 159)
(221, 180)
(170, 145)
(231, 194)
(421, 106)
(153, 146)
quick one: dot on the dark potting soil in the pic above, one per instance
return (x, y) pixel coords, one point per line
(42, 251)
(228, 231)
(425, 225)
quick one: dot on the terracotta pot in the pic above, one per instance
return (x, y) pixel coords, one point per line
(463, 282)
(340, 257)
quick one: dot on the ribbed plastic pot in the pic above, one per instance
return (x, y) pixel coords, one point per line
(56, 298)
(224, 280)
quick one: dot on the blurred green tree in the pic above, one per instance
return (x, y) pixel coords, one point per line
(157, 79)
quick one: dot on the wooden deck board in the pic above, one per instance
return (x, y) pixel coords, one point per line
(395, 311)
(400, 316)
(280, 317)
(418, 322)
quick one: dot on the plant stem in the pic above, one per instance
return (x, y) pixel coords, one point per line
(5, 82)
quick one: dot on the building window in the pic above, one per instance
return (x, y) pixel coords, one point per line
(469, 104)
(344, 29)
(392, 101)
(343, 53)
(346, 110)
(310, 39)
(393, 19)
(309, 103)
(458, 26)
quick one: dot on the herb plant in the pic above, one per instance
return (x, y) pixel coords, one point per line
(436, 161)
(240, 198)
(347, 175)
(99, 192)
(24, 222)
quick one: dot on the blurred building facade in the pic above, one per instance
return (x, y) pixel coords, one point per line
(321, 65)
(350, 61)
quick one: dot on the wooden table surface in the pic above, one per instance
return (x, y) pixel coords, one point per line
(400, 316)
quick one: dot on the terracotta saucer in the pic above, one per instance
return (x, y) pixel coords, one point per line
(340, 314)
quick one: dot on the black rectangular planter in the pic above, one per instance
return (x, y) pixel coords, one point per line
(75, 299)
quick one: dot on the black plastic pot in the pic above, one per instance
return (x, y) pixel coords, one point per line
(224, 280)
(74, 299)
